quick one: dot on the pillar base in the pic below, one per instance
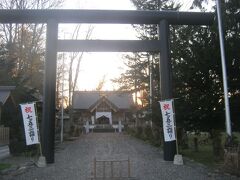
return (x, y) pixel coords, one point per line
(41, 162)
(169, 150)
(178, 159)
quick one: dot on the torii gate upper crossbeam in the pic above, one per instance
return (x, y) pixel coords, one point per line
(105, 16)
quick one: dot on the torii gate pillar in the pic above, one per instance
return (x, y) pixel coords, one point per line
(165, 68)
(48, 123)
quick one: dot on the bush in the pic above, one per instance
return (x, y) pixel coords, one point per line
(157, 137)
(148, 135)
(130, 131)
(182, 138)
(75, 131)
(17, 147)
(231, 141)
(154, 136)
(139, 132)
(20, 147)
(217, 145)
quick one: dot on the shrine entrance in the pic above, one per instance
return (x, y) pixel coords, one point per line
(54, 17)
(104, 118)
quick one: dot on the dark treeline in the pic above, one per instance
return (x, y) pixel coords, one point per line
(196, 64)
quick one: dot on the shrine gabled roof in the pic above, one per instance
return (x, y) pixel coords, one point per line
(86, 99)
(101, 100)
(5, 93)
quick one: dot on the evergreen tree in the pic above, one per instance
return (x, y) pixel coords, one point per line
(196, 63)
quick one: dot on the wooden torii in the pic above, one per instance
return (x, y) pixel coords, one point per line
(54, 17)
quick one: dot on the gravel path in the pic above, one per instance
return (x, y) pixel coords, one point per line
(74, 161)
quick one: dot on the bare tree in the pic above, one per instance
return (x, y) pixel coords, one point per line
(101, 83)
(75, 59)
(74, 68)
(25, 42)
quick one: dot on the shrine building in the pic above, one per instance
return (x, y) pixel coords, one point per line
(102, 107)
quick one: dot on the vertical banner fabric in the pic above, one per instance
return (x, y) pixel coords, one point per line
(168, 120)
(30, 123)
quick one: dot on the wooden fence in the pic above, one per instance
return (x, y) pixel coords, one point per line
(4, 135)
(111, 169)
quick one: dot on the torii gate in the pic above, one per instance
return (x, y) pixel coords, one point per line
(53, 17)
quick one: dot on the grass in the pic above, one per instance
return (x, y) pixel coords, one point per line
(237, 134)
(4, 166)
(204, 155)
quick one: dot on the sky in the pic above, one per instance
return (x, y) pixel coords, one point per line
(99, 4)
(94, 66)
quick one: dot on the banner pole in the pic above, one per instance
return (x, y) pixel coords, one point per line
(38, 128)
(42, 160)
(178, 159)
(175, 126)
